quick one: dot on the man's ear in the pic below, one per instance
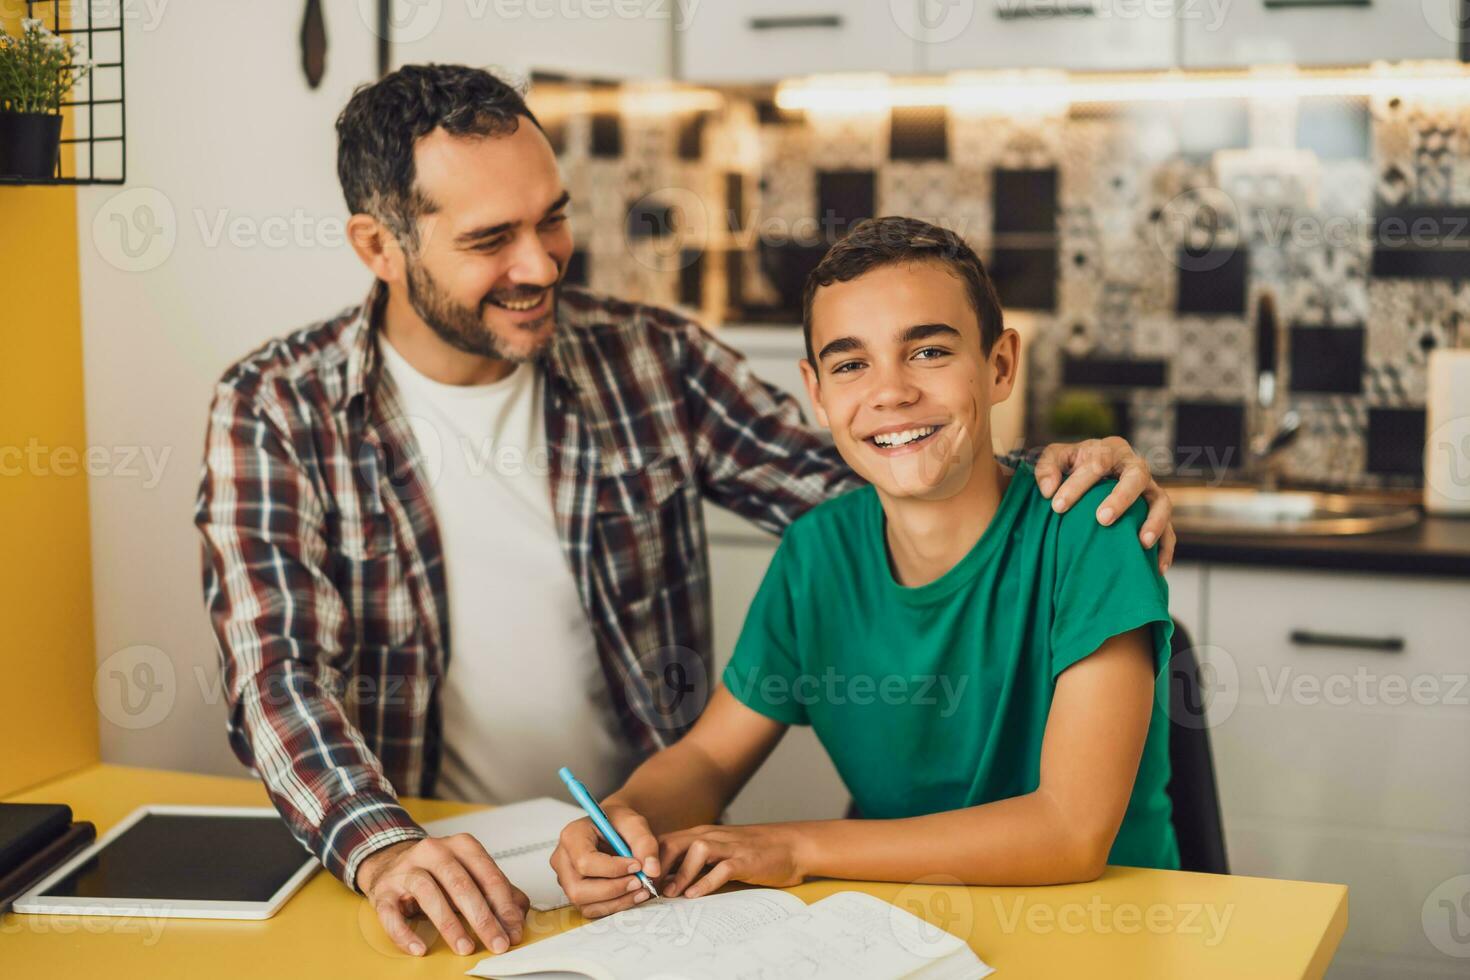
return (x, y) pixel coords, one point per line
(1005, 364)
(814, 392)
(376, 247)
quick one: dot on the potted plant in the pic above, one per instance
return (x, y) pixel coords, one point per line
(37, 70)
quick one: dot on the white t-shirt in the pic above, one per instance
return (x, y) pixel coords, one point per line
(524, 693)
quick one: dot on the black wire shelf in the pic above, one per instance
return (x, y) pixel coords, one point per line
(98, 139)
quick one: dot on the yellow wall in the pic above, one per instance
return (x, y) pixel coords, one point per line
(48, 719)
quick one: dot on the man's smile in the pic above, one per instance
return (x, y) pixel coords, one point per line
(526, 305)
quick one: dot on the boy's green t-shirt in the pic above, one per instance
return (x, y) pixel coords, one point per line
(936, 698)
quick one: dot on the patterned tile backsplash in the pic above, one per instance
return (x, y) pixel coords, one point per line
(1138, 240)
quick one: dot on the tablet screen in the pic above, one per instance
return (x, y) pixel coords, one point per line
(188, 857)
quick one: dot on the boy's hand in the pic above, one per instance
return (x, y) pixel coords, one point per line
(597, 881)
(1094, 459)
(762, 854)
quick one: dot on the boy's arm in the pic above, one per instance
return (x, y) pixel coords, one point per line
(687, 784)
(1062, 832)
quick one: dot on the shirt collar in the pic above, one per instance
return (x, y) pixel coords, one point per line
(362, 352)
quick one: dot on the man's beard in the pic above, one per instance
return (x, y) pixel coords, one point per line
(464, 328)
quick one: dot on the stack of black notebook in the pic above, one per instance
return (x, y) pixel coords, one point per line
(35, 840)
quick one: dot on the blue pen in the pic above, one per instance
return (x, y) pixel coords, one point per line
(599, 820)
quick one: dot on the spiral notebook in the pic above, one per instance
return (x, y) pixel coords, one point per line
(520, 837)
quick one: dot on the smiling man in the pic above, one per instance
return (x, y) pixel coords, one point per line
(453, 536)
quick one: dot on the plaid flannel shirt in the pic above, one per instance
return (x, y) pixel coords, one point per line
(324, 576)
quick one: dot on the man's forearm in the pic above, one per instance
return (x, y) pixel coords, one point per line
(341, 813)
(1024, 840)
(676, 788)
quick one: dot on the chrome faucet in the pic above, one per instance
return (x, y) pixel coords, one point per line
(1271, 431)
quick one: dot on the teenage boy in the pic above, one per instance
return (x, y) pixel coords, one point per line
(982, 670)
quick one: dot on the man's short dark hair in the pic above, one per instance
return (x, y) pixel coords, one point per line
(380, 124)
(878, 242)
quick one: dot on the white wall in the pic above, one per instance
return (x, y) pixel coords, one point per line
(224, 134)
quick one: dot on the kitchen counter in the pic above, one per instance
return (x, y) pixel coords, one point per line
(1435, 546)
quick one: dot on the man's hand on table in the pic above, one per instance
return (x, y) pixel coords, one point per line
(452, 881)
(1084, 463)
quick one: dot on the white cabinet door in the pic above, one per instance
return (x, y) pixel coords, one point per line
(1088, 35)
(1186, 582)
(768, 40)
(1315, 32)
(596, 39)
(798, 781)
(1341, 731)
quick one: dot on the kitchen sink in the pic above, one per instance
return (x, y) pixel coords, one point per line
(1245, 511)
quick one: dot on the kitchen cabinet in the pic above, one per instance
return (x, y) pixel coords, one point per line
(597, 39)
(1315, 32)
(768, 40)
(1340, 721)
(1082, 35)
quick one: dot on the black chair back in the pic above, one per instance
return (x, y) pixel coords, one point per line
(1192, 789)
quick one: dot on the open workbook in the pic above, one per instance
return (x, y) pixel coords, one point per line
(750, 935)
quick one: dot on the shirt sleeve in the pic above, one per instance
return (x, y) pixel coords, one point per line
(764, 671)
(285, 643)
(756, 454)
(1106, 583)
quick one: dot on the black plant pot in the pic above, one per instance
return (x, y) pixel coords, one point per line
(28, 144)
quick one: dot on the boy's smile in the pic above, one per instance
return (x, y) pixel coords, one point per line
(895, 440)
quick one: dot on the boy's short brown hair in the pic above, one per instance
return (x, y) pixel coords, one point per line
(877, 242)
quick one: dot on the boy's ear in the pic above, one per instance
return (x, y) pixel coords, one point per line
(1005, 364)
(814, 392)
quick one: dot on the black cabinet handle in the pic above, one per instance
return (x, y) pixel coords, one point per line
(1382, 644)
(1042, 10)
(1289, 4)
(794, 21)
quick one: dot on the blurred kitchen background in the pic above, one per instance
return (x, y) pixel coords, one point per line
(1236, 232)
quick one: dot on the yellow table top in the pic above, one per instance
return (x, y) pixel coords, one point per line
(1131, 922)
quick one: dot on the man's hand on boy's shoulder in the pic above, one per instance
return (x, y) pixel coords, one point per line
(1067, 470)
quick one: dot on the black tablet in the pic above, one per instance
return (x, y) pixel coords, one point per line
(204, 862)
